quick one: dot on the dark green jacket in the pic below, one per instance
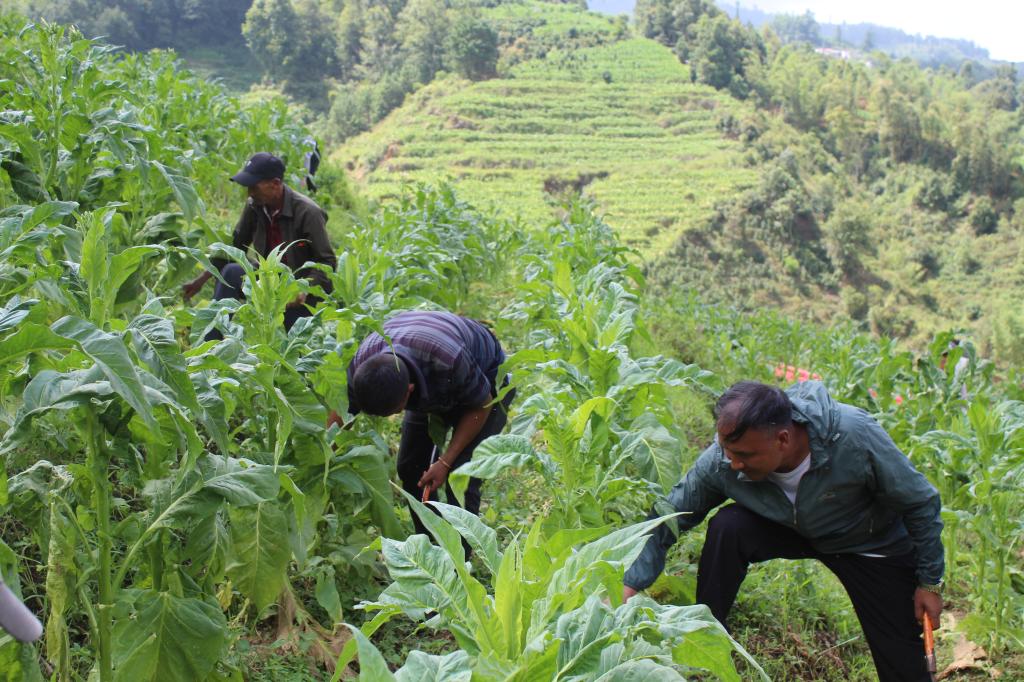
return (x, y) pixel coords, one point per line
(303, 225)
(860, 494)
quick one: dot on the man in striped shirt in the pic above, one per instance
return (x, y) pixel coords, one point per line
(437, 365)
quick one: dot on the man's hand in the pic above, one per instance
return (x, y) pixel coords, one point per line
(299, 300)
(930, 602)
(433, 478)
(627, 593)
(193, 287)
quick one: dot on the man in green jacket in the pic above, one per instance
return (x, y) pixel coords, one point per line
(812, 478)
(274, 215)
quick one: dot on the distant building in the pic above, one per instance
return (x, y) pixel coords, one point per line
(835, 53)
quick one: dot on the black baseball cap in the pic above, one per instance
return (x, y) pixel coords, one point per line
(262, 166)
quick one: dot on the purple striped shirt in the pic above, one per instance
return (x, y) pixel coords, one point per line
(453, 361)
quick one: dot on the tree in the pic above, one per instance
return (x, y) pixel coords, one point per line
(721, 52)
(848, 236)
(271, 31)
(796, 29)
(349, 36)
(423, 28)
(378, 44)
(673, 22)
(472, 48)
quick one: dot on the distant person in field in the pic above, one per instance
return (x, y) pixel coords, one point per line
(274, 215)
(311, 161)
(812, 478)
(959, 370)
(438, 365)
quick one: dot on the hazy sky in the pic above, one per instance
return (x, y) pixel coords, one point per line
(996, 25)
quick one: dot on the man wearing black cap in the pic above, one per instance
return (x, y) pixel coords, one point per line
(274, 215)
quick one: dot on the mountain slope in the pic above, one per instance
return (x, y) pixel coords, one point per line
(620, 121)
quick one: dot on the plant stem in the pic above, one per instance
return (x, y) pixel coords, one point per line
(98, 467)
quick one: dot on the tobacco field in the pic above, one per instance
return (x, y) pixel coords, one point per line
(175, 509)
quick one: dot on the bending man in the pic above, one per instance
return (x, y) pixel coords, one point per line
(812, 478)
(438, 365)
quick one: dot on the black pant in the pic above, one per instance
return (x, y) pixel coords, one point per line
(881, 588)
(417, 449)
(233, 274)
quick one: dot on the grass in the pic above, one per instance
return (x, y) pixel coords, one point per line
(619, 121)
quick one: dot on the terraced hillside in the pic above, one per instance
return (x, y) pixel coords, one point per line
(620, 120)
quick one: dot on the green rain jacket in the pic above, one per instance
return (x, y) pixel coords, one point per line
(860, 494)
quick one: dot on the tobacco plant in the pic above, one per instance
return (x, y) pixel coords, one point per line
(538, 614)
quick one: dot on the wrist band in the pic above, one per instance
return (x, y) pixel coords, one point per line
(446, 464)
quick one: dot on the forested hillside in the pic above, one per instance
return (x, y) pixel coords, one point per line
(175, 507)
(887, 192)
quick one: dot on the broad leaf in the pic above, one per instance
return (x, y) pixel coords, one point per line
(154, 341)
(14, 312)
(184, 192)
(493, 456)
(654, 450)
(169, 639)
(110, 355)
(479, 535)
(641, 670)
(371, 468)
(51, 390)
(259, 538)
(422, 667)
(30, 338)
(372, 666)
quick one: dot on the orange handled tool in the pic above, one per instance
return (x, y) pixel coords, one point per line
(929, 646)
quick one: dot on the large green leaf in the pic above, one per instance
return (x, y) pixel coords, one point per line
(24, 181)
(446, 536)
(214, 409)
(422, 667)
(221, 479)
(14, 311)
(30, 338)
(479, 535)
(169, 639)
(308, 413)
(493, 456)
(124, 265)
(155, 342)
(184, 192)
(207, 547)
(24, 220)
(596, 563)
(372, 666)
(260, 552)
(94, 268)
(654, 450)
(415, 562)
(641, 670)
(111, 356)
(370, 467)
(581, 416)
(51, 390)
(707, 649)
(585, 633)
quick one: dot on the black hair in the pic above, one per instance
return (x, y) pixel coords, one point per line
(752, 405)
(380, 384)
